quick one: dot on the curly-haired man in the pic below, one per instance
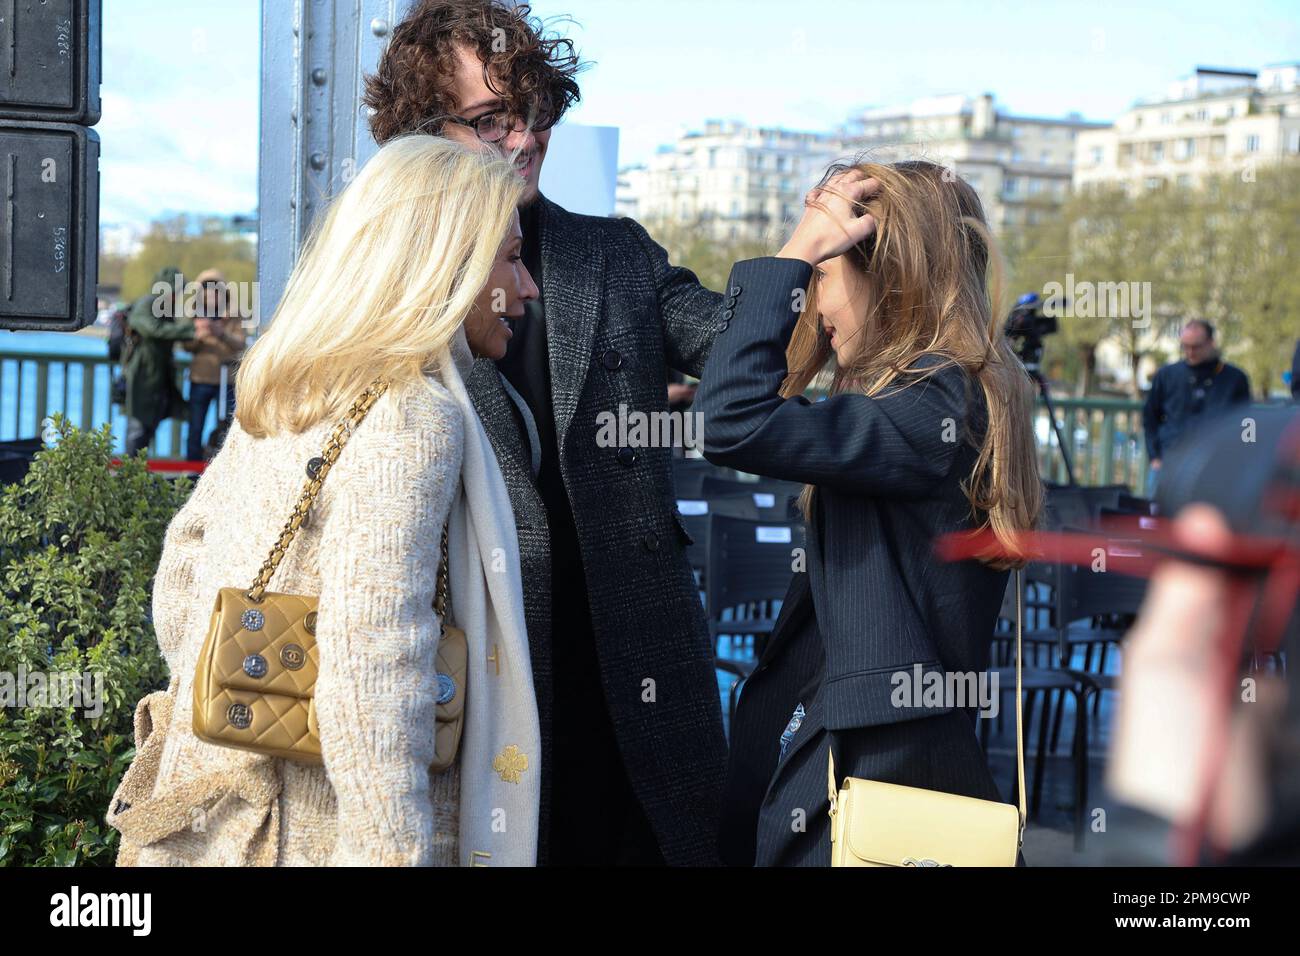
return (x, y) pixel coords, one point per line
(633, 747)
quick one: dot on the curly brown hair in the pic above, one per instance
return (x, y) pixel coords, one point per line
(411, 90)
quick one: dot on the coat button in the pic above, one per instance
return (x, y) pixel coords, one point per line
(651, 541)
(731, 302)
(611, 360)
(735, 290)
(729, 314)
(722, 326)
(314, 466)
(626, 456)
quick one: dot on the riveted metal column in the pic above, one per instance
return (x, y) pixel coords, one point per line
(314, 133)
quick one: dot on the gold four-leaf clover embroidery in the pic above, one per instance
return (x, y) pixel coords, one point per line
(510, 763)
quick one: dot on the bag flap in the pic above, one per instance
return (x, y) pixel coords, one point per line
(889, 824)
(282, 635)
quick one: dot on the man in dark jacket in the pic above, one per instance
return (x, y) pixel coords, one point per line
(1186, 393)
(633, 748)
(151, 393)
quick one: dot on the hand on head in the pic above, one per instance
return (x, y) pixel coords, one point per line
(834, 219)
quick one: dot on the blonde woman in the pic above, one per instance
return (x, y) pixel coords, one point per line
(412, 272)
(926, 432)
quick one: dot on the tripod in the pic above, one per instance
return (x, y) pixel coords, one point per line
(1031, 354)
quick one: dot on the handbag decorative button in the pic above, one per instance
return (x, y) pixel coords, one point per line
(309, 622)
(292, 656)
(239, 715)
(252, 619)
(255, 665)
(446, 689)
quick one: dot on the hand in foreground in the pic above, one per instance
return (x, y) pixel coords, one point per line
(1171, 698)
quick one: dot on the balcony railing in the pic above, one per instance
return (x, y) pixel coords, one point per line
(1104, 435)
(34, 385)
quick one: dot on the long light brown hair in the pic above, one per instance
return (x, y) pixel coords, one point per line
(926, 266)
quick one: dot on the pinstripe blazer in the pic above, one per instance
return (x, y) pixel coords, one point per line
(874, 603)
(618, 315)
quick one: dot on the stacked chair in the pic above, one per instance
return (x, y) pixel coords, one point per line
(745, 533)
(1076, 619)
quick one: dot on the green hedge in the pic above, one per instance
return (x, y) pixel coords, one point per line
(79, 545)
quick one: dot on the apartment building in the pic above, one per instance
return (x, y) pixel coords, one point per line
(1214, 121)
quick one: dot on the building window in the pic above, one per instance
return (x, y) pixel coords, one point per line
(1252, 143)
(1011, 186)
(1157, 152)
(1097, 155)
(1293, 141)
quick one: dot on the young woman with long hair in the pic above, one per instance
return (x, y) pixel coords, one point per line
(926, 431)
(408, 275)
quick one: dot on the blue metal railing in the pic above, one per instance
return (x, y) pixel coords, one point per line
(34, 385)
(1104, 435)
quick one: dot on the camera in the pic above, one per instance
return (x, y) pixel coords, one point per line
(1029, 320)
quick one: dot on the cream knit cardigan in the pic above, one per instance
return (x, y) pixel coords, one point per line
(370, 552)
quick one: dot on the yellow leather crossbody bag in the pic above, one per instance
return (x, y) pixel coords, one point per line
(254, 687)
(884, 824)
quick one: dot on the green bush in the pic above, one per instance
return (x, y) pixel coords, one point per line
(79, 545)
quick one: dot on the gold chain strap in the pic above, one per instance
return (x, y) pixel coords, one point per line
(338, 438)
(443, 593)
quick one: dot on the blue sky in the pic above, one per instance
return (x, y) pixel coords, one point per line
(180, 78)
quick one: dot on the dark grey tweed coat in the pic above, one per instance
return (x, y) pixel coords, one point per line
(617, 315)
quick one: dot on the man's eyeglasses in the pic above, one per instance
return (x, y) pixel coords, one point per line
(497, 125)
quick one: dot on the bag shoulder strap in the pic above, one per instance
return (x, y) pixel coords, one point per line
(338, 438)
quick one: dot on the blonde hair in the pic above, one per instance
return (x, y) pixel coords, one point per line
(926, 265)
(387, 277)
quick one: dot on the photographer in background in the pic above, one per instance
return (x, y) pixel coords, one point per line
(1188, 392)
(217, 344)
(151, 393)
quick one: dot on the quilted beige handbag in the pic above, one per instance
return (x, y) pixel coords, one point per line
(256, 676)
(884, 824)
